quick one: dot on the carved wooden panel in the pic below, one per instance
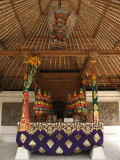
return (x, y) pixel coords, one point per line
(108, 113)
(11, 113)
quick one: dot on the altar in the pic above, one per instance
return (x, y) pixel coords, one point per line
(49, 134)
(61, 138)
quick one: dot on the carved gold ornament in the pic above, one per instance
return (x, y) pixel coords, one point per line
(41, 150)
(95, 107)
(77, 150)
(77, 136)
(23, 138)
(96, 137)
(40, 136)
(59, 136)
(50, 143)
(59, 150)
(94, 82)
(32, 144)
(86, 143)
(95, 94)
(68, 143)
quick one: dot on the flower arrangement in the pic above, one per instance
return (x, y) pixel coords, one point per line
(34, 60)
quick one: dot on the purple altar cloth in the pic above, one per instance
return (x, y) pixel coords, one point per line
(61, 138)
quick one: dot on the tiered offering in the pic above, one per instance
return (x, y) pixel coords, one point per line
(74, 102)
(81, 106)
(38, 107)
(49, 106)
(43, 104)
(77, 104)
(69, 104)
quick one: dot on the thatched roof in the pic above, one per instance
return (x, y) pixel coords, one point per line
(24, 23)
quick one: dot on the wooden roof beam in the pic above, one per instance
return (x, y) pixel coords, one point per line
(78, 9)
(83, 53)
(117, 46)
(65, 75)
(101, 20)
(17, 18)
(39, 1)
(77, 37)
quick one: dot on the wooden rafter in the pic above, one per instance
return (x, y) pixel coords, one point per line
(39, 1)
(101, 20)
(113, 84)
(12, 19)
(98, 13)
(81, 19)
(2, 45)
(35, 24)
(85, 26)
(98, 43)
(47, 6)
(21, 44)
(112, 63)
(17, 18)
(78, 9)
(71, 5)
(59, 1)
(117, 46)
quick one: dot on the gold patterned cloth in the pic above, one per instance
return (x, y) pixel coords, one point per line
(61, 138)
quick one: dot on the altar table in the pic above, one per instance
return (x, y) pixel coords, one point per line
(61, 138)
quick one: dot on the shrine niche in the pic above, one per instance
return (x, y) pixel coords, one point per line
(59, 108)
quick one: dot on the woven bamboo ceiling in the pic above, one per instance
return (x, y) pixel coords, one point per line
(24, 24)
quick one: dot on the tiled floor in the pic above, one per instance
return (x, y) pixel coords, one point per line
(111, 149)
